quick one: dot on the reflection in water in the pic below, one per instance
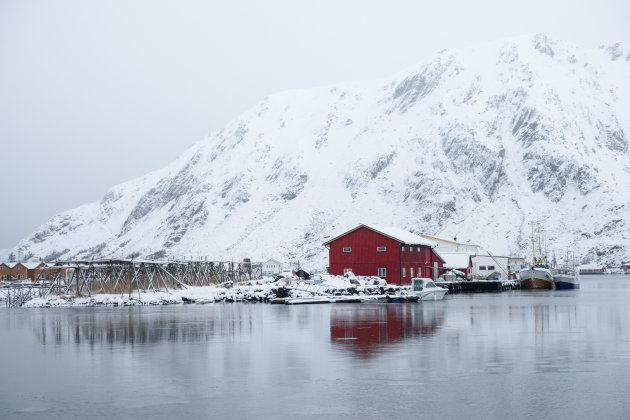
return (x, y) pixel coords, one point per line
(139, 325)
(554, 354)
(367, 329)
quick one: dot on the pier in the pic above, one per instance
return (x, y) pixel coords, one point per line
(475, 286)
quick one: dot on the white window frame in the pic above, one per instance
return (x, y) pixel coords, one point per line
(411, 271)
(347, 270)
(347, 249)
(490, 267)
(404, 272)
(418, 249)
(382, 272)
(381, 249)
(482, 268)
(403, 249)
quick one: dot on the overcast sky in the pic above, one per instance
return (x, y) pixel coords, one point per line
(94, 93)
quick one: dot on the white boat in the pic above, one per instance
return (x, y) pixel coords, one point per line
(564, 278)
(426, 289)
(536, 276)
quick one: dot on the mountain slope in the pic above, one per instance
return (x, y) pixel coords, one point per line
(474, 143)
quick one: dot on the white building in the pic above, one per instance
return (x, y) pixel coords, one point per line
(271, 268)
(514, 264)
(484, 265)
(446, 246)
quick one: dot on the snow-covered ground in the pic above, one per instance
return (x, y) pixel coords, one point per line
(253, 291)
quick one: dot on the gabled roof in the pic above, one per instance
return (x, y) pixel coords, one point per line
(272, 260)
(397, 234)
(455, 259)
(13, 264)
(32, 265)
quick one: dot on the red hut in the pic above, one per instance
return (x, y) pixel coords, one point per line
(390, 253)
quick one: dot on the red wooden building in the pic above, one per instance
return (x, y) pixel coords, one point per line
(390, 253)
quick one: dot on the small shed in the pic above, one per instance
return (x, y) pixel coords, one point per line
(457, 261)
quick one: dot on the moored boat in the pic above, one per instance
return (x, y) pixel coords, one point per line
(426, 289)
(536, 276)
(566, 279)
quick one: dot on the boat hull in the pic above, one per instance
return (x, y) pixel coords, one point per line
(432, 294)
(566, 282)
(536, 279)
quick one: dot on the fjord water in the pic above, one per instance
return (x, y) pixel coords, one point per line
(523, 354)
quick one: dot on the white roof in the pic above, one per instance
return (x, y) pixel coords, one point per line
(455, 259)
(13, 264)
(272, 260)
(591, 267)
(28, 265)
(402, 235)
(31, 265)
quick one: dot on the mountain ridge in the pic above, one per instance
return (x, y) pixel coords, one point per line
(472, 142)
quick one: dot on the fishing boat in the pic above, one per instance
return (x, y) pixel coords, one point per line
(426, 289)
(564, 278)
(537, 274)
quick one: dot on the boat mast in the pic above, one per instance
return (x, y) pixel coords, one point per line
(533, 244)
(539, 243)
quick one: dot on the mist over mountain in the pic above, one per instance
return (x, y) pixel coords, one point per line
(473, 143)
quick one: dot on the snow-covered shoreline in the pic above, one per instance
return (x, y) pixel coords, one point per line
(261, 290)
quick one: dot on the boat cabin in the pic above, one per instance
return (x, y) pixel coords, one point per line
(418, 284)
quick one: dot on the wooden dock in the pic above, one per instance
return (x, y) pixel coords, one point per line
(478, 286)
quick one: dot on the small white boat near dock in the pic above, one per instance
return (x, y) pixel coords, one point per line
(426, 289)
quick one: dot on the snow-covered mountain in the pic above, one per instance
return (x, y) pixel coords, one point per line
(473, 143)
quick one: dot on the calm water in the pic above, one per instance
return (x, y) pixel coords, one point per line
(542, 354)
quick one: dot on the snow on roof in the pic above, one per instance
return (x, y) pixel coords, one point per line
(455, 260)
(31, 265)
(28, 265)
(451, 241)
(402, 235)
(591, 266)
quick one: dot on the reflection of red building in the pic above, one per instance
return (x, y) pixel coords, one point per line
(393, 254)
(366, 329)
